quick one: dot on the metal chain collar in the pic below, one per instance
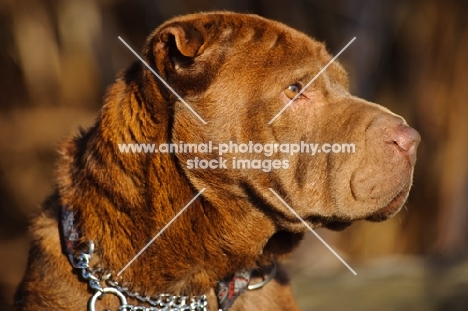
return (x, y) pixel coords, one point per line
(164, 302)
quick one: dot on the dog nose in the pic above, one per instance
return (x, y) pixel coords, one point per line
(407, 139)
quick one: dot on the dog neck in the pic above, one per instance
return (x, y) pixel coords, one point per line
(123, 200)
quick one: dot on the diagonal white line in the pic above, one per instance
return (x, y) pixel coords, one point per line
(160, 232)
(310, 82)
(162, 80)
(313, 231)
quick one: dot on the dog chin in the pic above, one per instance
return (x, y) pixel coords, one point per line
(384, 213)
(391, 209)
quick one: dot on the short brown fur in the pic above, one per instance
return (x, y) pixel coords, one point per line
(232, 69)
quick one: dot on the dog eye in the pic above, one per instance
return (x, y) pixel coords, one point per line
(292, 90)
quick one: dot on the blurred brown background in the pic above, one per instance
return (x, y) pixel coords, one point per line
(57, 56)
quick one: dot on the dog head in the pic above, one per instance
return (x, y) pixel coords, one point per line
(238, 72)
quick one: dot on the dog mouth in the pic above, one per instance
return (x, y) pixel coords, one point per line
(392, 208)
(384, 213)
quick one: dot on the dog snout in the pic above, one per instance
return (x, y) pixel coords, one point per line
(399, 139)
(406, 139)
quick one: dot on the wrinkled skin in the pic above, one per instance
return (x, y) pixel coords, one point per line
(237, 72)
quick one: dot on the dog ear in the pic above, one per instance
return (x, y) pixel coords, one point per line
(185, 40)
(177, 45)
(177, 50)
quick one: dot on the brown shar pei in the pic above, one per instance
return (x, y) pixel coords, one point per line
(237, 72)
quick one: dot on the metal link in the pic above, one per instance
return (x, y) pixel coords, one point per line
(98, 294)
(164, 302)
(141, 308)
(270, 276)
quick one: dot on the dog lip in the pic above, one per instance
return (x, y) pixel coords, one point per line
(392, 208)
